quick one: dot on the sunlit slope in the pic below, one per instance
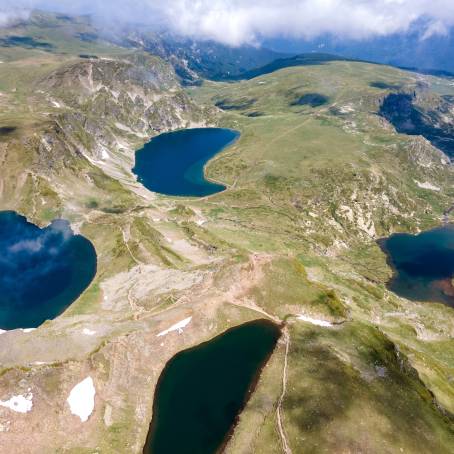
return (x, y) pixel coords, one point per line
(315, 179)
(335, 160)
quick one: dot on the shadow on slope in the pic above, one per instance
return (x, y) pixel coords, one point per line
(24, 41)
(400, 111)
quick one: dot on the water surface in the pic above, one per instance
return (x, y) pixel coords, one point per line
(173, 163)
(42, 271)
(202, 390)
(423, 264)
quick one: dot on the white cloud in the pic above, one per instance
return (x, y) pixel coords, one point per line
(10, 14)
(435, 28)
(238, 21)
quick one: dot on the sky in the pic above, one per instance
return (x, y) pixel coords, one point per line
(237, 22)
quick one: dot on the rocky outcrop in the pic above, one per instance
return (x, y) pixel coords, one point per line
(104, 109)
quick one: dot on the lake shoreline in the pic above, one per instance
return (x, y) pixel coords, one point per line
(175, 163)
(153, 427)
(408, 276)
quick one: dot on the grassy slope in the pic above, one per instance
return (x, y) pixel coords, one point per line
(290, 174)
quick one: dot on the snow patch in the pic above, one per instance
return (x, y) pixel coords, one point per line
(104, 154)
(28, 330)
(88, 332)
(427, 185)
(19, 403)
(81, 399)
(314, 321)
(177, 327)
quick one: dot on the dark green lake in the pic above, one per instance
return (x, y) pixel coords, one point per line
(173, 163)
(202, 390)
(423, 264)
(42, 271)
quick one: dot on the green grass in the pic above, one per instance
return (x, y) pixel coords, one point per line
(286, 289)
(305, 185)
(354, 391)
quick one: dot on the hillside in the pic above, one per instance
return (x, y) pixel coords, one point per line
(317, 176)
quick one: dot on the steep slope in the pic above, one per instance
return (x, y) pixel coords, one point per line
(197, 60)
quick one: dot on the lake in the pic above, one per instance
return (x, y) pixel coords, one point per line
(202, 390)
(423, 264)
(173, 163)
(42, 271)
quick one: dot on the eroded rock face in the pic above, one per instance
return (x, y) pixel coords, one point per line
(421, 113)
(108, 104)
(91, 116)
(424, 154)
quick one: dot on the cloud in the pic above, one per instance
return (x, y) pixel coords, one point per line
(10, 13)
(237, 22)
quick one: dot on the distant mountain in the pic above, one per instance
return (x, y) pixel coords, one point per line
(404, 50)
(307, 59)
(194, 60)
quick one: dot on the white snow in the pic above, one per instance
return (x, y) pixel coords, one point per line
(55, 103)
(2, 331)
(81, 399)
(28, 330)
(19, 403)
(88, 332)
(177, 327)
(104, 154)
(314, 321)
(427, 185)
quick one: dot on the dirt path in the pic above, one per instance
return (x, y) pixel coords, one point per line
(125, 240)
(285, 446)
(253, 277)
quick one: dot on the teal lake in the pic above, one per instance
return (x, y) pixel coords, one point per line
(202, 390)
(42, 271)
(173, 163)
(423, 264)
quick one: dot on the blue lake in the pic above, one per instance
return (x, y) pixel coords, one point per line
(173, 163)
(42, 271)
(423, 264)
(202, 390)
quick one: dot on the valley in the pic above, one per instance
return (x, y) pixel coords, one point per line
(315, 177)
